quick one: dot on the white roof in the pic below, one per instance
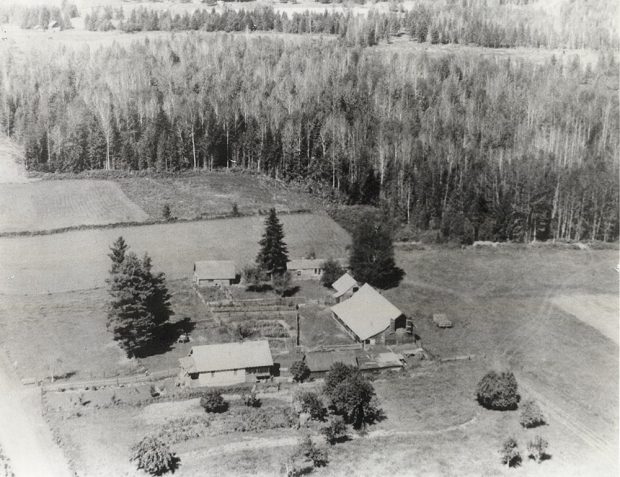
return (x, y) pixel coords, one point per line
(215, 270)
(311, 263)
(367, 312)
(343, 284)
(225, 356)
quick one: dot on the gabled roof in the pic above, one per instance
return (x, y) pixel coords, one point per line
(343, 284)
(311, 263)
(320, 361)
(215, 270)
(226, 356)
(367, 312)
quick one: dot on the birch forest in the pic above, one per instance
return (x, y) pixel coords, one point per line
(481, 148)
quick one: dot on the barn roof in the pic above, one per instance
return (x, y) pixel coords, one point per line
(319, 361)
(215, 270)
(225, 356)
(343, 284)
(367, 312)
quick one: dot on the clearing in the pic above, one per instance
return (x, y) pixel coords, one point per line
(77, 260)
(45, 205)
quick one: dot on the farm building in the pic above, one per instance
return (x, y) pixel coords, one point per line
(309, 268)
(368, 316)
(320, 362)
(345, 286)
(227, 363)
(214, 272)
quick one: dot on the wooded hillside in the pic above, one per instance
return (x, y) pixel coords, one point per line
(481, 149)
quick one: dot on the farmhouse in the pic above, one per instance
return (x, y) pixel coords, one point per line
(368, 316)
(214, 272)
(309, 268)
(345, 286)
(227, 363)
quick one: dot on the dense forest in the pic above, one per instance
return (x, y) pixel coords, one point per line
(478, 148)
(40, 16)
(489, 23)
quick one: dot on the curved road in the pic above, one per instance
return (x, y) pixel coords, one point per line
(24, 434)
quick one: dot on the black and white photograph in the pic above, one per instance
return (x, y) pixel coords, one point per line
(331, 238)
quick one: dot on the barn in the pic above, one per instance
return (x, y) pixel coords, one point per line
(214, 272)
(345, 286)
(368, 316)
(227, 363)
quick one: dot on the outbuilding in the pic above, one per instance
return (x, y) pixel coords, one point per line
(214, 272)
(345, 286)
(368, 316)
(309, 268)
(227, 363)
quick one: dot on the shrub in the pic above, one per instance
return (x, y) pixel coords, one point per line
(308, 450)
(531, 415)
(235, 210)
(332, 271)
(498, 391)
(510, 453)
(282, 283)
(300, 371)
(253, 277)
(167, 213)
(153, 456)
(212, 401)
(335, 430)
(251, 400)
(310, 403)
(537, 449)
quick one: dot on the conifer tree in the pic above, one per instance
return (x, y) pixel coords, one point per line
(372, 255)
(117, 254)
(273, 254)
(140, 302)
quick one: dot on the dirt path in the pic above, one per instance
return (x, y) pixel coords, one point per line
(24, 434)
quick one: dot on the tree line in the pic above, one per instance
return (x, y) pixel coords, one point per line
(498, 149)
(40, 16)
(488, 24)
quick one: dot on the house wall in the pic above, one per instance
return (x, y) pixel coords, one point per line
(221, 378)
(204, 283)
(311, 273)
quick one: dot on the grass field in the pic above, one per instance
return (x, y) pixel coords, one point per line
(78, 260)
(45, 205)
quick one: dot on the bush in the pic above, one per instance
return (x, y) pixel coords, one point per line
(153, 456)
(212, 401)
(510, 453)
(167, 213)
(282, 283)
(300, 371)
(335, 430)
(498, 391)
(332, 271)
(531, 415)
(310, 403)
(251, 400)
(253, 277)
(537, 448)
(309, 451)
(235, 210)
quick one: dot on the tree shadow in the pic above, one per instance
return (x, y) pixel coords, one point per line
(166, 336)
(291, 291)
(261, 287)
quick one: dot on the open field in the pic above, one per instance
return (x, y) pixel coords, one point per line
(30, 265)
(45, 205)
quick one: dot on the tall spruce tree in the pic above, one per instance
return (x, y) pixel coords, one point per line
(117, 254)
(372, 255)
(140, 303)
(273, 253)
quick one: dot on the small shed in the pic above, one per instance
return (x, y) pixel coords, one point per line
(345, 286)
(441, 320)
(214, 272)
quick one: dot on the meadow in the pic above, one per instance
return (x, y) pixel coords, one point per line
(44, 205)
(78, 260)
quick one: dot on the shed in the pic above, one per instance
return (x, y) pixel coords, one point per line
(368, 315)
(227, 363)
(320, 362)
(214, 272)
(345, 286)
(442, 320)
(309, 268)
